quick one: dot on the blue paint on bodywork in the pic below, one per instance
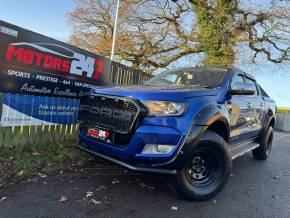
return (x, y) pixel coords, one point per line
(205, 106)
(154, 130)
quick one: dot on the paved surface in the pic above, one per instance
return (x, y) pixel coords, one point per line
(256, 189)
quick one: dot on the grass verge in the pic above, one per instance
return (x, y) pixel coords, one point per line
(18, 162)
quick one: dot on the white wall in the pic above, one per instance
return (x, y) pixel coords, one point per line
(283, 121)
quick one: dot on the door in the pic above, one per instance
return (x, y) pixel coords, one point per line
(240, 113)
(257, 107)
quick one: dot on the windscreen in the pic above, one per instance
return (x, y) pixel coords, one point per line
(209, 78)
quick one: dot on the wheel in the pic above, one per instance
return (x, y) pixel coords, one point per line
(206, 173)
(265, 148)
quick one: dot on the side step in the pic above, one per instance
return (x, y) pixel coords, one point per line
(241, 149)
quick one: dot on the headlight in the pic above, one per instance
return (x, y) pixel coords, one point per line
(165, 108)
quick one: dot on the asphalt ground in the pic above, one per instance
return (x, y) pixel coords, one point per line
(255, 189)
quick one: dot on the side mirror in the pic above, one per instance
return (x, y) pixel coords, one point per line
(243, 89)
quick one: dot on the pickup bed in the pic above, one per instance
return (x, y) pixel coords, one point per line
(188, 123)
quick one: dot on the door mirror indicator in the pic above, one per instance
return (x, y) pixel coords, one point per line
(242, 89)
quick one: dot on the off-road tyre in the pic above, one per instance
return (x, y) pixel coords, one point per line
(265, 148)
(207, 171)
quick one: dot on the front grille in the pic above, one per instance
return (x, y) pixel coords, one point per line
(119, 115)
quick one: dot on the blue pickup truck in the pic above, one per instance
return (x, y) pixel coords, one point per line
(188, 123)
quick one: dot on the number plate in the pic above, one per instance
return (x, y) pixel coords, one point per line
(101, 134)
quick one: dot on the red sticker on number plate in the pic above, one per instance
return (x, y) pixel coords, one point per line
(98, 133)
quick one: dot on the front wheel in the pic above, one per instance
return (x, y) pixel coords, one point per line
(208, 170)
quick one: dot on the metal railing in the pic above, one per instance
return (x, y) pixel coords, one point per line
(124, 75)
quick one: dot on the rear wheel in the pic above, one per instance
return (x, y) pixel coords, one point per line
(208, 170)
(265, 148)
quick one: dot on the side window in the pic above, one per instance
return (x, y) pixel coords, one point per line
(237, 78)
(250, 81)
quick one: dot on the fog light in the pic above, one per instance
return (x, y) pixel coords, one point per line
(157, 149)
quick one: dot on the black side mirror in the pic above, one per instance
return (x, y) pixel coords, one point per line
(243, 89)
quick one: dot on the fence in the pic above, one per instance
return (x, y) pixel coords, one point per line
(45, 134)
(124, 75)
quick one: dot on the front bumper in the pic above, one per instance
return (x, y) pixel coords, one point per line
(82, 147)
(132, 153)
(165, 164)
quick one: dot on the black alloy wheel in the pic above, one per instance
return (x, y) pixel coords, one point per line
(207, 171)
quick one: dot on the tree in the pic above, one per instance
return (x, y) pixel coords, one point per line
(143, 45)
(223, 24)
(266, 29)
(155, 33)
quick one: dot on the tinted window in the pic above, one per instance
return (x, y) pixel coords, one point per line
(204, 77)
(250, 81)
(237, 79)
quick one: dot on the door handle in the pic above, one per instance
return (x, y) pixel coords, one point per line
(249, 105)
(262, 105)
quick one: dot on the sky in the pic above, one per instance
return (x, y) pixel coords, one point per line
(50, 18)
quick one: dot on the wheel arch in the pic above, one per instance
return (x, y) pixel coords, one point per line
(220, 127)
(215, 118)
(272, 122)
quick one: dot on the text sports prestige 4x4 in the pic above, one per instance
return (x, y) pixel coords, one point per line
(188, 123)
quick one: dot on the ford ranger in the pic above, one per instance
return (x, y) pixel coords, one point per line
(188, 123)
